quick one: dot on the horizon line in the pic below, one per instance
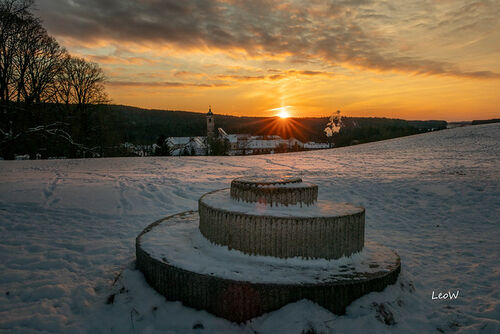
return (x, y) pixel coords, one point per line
(299, 117)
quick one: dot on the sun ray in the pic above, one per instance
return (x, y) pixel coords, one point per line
(284, 127)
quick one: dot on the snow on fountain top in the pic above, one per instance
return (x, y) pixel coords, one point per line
(222, 201)
(266, 180)
(274, 190)
(178, 242)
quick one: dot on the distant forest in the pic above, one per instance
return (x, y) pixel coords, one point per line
(142, 126)
(110, 126)
(485, 121)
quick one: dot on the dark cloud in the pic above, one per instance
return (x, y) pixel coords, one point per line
(115, 59)
(165, 84)
(310, 73)
(332, 32)
(276, 76)
(241, 77)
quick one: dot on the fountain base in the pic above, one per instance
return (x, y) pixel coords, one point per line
(182, 265)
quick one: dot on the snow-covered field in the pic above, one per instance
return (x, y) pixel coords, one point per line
(67, 230)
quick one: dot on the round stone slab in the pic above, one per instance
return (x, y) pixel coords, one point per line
(323, 230)
(184, 266)
(266, 180)
(272, 191)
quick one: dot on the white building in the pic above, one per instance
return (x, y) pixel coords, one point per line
(295, 144)
(187, 145)
(315, 146)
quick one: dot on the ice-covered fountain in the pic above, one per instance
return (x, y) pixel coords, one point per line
(261, 244)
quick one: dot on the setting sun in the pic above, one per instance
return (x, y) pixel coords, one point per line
(282, 112)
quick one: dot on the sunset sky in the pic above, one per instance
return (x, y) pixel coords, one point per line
(412, 59)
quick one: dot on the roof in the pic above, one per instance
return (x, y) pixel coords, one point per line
(178, 140)
(315, 145)
(232, 138)
(198, 142)
(263, 143)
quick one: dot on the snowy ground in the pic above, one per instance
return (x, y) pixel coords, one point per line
(67, 230)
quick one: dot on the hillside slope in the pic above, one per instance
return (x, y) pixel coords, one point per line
(68, 228)
(144, 126)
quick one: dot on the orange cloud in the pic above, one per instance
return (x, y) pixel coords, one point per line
(164, 84)
(362, 55)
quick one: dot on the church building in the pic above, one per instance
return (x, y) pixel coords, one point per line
(210, 123)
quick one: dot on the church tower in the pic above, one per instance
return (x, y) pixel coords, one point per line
(210, 123)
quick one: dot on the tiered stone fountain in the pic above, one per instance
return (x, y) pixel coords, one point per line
(260, 245)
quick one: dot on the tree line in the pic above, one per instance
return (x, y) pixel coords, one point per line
(37, 73)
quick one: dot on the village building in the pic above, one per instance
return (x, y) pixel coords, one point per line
(187, 145)
(238, 144)
(315, 146)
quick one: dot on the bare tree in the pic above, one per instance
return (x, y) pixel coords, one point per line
(13, 14)
(86, 83)
(29, 57)
(43, 70)
(63, 92)
(35, 69)
(81, 83)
